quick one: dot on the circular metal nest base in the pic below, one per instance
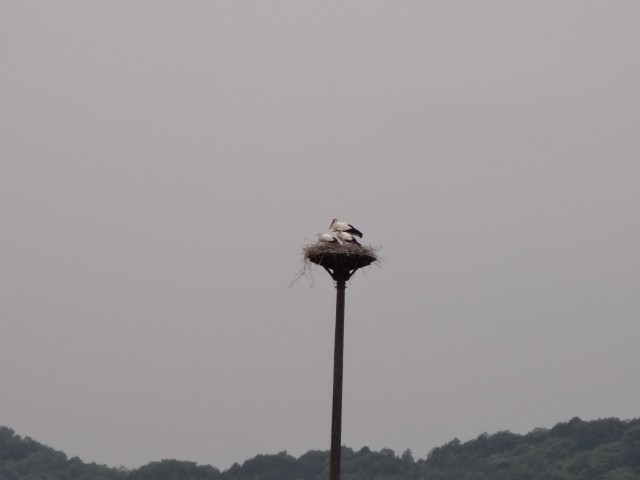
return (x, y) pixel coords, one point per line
(340, 260)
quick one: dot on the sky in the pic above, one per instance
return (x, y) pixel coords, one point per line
(163, 164)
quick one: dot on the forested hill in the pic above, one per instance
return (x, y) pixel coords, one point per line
(607, 449)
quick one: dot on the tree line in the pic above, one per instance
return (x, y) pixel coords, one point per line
(604, 449)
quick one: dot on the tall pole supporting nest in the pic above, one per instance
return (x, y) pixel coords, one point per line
(341, 262)
(338, 357)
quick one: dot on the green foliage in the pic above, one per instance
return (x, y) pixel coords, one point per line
(174, 470)
(266, 467)
(26, 459)
(605, 449)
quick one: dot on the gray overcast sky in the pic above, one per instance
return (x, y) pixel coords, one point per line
(163, 164)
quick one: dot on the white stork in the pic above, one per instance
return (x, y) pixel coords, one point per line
(338, 226)
(347, 238)
(326, 238)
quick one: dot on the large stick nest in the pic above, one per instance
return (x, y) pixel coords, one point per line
(335, 256)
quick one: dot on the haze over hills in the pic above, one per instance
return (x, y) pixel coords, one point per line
(607, 449)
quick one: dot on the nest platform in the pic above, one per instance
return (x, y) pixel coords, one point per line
(340, 260)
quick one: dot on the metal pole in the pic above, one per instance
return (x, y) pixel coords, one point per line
(338, 354)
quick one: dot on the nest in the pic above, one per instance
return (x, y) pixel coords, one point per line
(340, 259)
